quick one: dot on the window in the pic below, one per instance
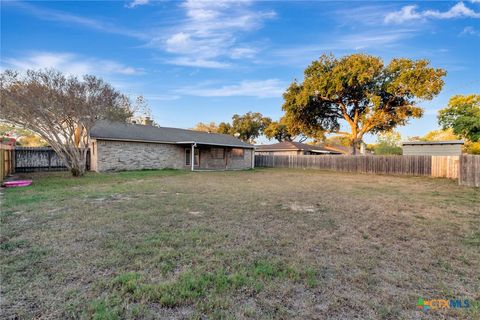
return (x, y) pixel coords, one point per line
(188, 157)
(217, 153)
(237, 153)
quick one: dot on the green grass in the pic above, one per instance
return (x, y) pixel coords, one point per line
(263, 244)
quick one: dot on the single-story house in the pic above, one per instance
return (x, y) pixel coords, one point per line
(126, 146)
(433, 148)
(294, 148)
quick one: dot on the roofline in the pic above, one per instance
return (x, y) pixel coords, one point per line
(311, 150)
(406, 143)
(177, 143)
(325, 151)
(260, 149)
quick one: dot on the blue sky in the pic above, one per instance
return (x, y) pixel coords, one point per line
(204, 61)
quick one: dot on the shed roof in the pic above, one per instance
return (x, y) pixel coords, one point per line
(143, 133)
(406, 143)
(295, 146)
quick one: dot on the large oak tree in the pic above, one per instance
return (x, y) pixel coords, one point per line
(61, 109)
(371, 97)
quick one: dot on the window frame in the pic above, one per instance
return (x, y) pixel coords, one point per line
(234, 156)
(214, 155)
(196, 157)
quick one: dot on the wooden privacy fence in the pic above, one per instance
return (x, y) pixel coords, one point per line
(445, 166)
(469, 171)
(465, 168)
(29, 159)
(410, 165)
(6, 160)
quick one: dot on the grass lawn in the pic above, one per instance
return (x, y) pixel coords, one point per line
(270, 243)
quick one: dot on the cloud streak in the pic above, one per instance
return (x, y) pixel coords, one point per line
(61, 16)
(270, 88)
(136, 3)
(410, 13)
(70, 63)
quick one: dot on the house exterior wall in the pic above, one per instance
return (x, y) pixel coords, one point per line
(240, 163)
(432, 149)
(93, 155)
(109, 155)
(123, 155)
(207, 162)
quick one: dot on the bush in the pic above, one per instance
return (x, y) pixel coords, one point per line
(386, 149)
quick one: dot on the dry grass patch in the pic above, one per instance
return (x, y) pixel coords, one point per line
(251, 244)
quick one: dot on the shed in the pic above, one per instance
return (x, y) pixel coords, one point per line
(432, 148)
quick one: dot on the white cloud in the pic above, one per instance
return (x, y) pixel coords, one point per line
(135, 3)
(69, 63)
(208, 37)
(410, 13)
(407, 13)
(358, 41)
(65, 17)
(166, 97)
(470, 31)
(256, 88)
(240, 53)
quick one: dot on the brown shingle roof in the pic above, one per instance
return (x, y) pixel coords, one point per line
(134, 132)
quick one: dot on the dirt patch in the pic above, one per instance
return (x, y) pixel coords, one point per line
(299, 207)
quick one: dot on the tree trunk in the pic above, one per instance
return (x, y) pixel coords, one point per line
(77, 163)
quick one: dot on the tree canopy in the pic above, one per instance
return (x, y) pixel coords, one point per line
(462, 115)
(388, 143)
(61, 109)
(361, 90)
(280, 131)
(246, 127)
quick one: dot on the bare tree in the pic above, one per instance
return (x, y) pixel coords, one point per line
(61, 109)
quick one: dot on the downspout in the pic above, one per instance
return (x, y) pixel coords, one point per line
(253, 157)
(192, 160)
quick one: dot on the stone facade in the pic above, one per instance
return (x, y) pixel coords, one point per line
(109, 155)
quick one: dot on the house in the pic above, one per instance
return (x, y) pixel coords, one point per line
(124, 146)
(432, 148)
(294, 148)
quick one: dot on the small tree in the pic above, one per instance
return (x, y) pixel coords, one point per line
(463, 116)
(206, 127)
(388, 143)
(60, 109)
(359, 89)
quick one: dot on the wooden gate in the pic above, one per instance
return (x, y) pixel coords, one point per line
(29, 159)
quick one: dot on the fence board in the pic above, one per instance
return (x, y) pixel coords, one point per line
(6, 160)
(469, 171)
(445, 166)
(397, 165)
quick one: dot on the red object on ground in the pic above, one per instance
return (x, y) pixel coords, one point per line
(18, 183)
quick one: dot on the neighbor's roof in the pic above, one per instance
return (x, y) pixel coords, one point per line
(143, 133)
(405, 143)
(295, 146)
